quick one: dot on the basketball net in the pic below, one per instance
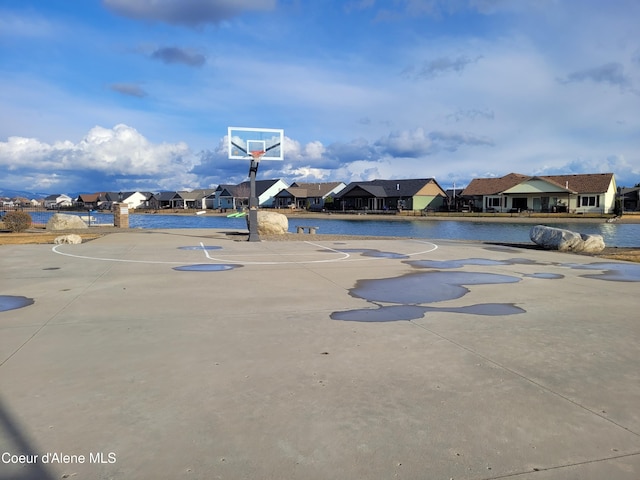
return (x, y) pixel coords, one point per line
(257, 154)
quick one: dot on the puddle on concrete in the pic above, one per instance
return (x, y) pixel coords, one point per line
(200, 247)
(426, 287)
(411, 290)
(393, 313)
(10, 302)
(206, 267)
(396, 313)
(489, 309)
(615, 272)
(546, 276)
(450, 264)
(370, 252)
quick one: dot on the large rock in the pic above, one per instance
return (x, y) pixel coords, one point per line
(71, 239)
(565, 240)
(62, 221)
(271, 223)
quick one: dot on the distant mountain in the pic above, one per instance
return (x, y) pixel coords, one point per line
(21, 193)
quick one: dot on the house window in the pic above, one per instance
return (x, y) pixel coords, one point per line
(591, 201)
(493, 202)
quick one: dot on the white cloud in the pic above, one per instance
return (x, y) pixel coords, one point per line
(105, 156)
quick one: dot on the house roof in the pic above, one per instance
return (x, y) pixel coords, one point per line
(386, 188)
(317, 189)
(577, 183)
(55, 196)
(295, 192)
(199, 193)
(89, 197)
(242, 190)
(584, 183)
(165, 196)
(493, 186)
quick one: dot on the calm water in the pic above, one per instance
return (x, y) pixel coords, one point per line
(615, 234)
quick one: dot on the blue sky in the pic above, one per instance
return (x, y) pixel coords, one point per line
(138, 94)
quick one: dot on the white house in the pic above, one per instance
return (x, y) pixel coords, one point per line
(134, 199)
(58, 200)
(237, 196)
(579, 193)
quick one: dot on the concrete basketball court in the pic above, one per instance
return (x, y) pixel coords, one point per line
(318, 359)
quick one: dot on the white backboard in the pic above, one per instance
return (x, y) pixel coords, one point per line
(244, 140)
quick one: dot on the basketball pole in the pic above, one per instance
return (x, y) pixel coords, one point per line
(253, 201)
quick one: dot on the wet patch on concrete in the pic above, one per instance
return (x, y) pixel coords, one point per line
(488, 309)
(451, 264)
(546, 276)
(409, 291)
(425, 287)
(11, 302)
(370, 252)
(200, 247)
(206, 267)
(614, 272)
(392, 313)
(396, 313)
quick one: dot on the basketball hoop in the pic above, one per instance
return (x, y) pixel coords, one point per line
(257, 154)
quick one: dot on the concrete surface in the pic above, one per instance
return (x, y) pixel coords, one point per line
(151, 373)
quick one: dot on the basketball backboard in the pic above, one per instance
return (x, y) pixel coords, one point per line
(244, 143)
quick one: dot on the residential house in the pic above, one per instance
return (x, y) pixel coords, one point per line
(164, 200)
(237, 196)
(629, 199)
(135, 199)
(578, 193)
(308, 195)
(58, 200)
(391, 195)
(198, 199)
(90, 200)
(105, 200)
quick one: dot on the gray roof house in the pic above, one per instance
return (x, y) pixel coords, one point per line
(308, 195)
(391, 195)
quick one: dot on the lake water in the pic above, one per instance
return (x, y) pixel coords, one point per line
(615, 234)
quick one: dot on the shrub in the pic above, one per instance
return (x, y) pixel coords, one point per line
(17, 221)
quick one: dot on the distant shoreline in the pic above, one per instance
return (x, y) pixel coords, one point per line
(461, 217)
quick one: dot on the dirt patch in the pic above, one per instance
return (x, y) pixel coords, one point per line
(42, 236)
(622, 253)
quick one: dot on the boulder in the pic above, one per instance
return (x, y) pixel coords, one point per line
(565, 240)
(62, 221)
(71, 239)
(271, 223)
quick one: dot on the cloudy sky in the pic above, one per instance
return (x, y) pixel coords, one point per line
(138, 94)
